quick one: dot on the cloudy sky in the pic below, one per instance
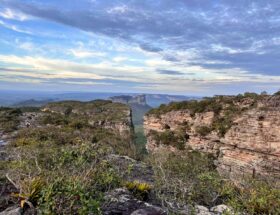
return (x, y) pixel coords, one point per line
(191, 47)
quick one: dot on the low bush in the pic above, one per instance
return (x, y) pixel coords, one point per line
(176, 138)
(139, 190)
(9, 119)
(191, 178)
(256, 197)
(63, 180)
(184, 178)
(203, 130)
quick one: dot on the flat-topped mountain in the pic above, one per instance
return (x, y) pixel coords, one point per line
(125, 99)
(241, 132)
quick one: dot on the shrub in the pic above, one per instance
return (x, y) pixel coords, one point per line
(256, 197)
(203, 130)
(194, 106)
(9, 119)
(30, 191)
(183, 178)
(139, 190)
(74, 178)
(176, 138)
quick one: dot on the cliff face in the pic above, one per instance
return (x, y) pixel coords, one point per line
(139, 100)
(241, 132)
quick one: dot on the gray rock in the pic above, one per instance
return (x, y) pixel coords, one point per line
(201, 210)
(15, 210)
(220, 209)
(122, 202)
(149, 211)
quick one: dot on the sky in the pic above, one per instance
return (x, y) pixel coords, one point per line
(186, 47)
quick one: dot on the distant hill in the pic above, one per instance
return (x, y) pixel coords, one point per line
(14, 98)
(33, 103)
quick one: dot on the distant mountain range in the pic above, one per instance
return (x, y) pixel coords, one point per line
(25, 98)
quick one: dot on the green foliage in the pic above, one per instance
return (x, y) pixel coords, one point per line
(190, 177)
(225, 109)
(67, 151)
(184, 178)
(93, 110)
(54, 119)
(9, 119)
(176, 138)
(74, 178)
(207, 188)
(139, 190)
(256, 197)
(203, 130)
(194, 106)
(30, 191)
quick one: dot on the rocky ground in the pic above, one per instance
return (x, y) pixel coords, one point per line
(119, 201)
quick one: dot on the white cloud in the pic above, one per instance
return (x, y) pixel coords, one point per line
(14, 28)
(39, 68)
(28, 46)
(8, 13)
(119, 59)
(86, 53)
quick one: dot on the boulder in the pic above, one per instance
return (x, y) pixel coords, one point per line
(15, 210)
(221, 209)
(121, 201)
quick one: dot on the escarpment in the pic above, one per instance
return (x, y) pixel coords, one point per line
(69, 122)
(241, 132)
(98, 113)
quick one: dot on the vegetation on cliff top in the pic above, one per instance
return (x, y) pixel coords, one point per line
(94, 110)
(225, 109)
(215, 104)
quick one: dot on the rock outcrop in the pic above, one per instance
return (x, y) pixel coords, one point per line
(121, 201)
(241, 132)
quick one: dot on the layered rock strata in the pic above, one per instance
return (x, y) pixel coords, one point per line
(249, 146)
